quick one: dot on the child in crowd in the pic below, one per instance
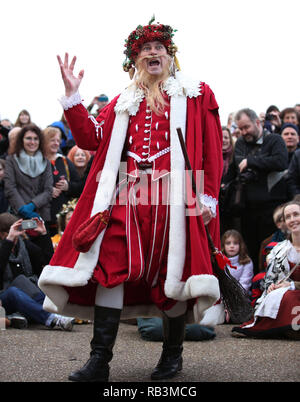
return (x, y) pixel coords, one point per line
(234, 247)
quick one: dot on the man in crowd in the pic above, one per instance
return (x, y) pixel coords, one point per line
(260, 159)
(153, 256)
(290, 134)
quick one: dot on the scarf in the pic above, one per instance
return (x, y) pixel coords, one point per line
(227, 156)
(32, 166)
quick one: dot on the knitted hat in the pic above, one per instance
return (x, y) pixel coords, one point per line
(291, 125)
(148, 33)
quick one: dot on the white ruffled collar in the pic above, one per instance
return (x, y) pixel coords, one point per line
(130, 99)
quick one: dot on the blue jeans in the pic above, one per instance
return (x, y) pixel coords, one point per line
(15, 300)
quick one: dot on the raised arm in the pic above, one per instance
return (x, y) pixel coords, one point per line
(71, 82)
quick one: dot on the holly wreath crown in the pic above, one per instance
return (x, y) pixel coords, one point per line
(148, 33)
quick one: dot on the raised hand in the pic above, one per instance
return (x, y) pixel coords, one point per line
(71, 82)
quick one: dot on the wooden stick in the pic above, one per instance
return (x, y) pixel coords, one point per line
(194, 185)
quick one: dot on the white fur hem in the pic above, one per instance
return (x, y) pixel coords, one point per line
(215, 315)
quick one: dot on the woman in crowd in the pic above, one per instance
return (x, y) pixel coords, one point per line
(23, 119)
(276, 310)
(28, 178)
(12, 139)
(65, 176)
(80, 158)
(227, 149)
(226, 219)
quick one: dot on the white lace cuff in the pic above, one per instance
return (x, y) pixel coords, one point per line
(209, 202)
(68, 102)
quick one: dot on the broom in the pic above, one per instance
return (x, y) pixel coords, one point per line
(234, 296)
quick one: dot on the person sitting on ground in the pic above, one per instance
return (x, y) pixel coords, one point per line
(274, 314)
(21, 262)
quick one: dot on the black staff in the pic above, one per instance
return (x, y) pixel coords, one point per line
(233, 294)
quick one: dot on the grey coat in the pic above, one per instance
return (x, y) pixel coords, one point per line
(21, 189)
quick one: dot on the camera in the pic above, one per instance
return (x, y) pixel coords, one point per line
(270, 117)
(248, 176)
(28, 224)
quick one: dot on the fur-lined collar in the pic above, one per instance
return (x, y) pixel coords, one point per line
(130, 99)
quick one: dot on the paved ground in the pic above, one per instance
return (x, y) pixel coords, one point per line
(40, 355)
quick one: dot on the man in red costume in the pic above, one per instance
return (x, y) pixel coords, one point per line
(153, 257)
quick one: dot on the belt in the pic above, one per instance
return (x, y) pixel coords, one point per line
(144, 166)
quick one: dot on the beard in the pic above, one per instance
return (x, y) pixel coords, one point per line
(152, 84)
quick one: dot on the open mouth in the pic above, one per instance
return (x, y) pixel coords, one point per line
(154, 62)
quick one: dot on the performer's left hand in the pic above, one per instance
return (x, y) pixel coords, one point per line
(206, 215)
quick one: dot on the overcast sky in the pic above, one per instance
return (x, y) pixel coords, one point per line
(247, 51)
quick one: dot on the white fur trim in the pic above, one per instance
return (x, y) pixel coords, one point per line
(86, 262)
(215, 315)
(68, 102)
(177, 231)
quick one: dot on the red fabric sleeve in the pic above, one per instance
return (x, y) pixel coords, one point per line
(86, 130)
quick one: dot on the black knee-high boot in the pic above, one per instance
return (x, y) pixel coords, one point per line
(170, 362)
(106, 324)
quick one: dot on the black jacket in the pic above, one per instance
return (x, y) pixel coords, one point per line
(39, 256)
(267, 161)
(294, 174)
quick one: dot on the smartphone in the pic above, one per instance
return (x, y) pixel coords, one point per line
(28, 224)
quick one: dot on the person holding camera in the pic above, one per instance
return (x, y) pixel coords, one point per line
(99, 102)
(259, 163)
(21, 262)
(272, 121)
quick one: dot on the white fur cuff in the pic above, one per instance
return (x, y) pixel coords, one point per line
(68, 102)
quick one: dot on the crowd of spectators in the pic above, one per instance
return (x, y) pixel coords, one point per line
(43, 172)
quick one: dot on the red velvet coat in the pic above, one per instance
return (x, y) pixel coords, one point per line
(68, 280)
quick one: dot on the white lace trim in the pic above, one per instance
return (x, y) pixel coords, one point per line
(209, 202)
(182, 85)
(68, 102)
(130, 99)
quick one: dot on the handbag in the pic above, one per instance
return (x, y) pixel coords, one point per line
(88, 231)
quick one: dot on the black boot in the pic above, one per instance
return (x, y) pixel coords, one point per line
(96, 369)
(170, 362)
